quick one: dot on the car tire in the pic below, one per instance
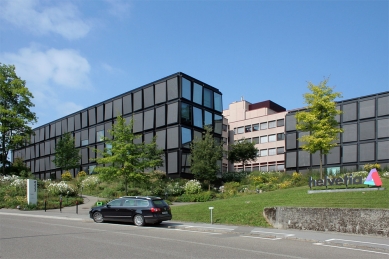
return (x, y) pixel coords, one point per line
(139, 220)
(98, 217)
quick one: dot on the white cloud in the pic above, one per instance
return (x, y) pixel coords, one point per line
(63, 19)
(50, 75)
(118, 8)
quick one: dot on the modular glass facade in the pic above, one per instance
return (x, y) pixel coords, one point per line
(175, 109)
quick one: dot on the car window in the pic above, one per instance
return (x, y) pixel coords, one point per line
(115, 203)
(160, 203)
(129, 203)
(142, 203)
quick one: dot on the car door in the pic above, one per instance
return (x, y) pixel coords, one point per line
(128, 209)
(112, 210)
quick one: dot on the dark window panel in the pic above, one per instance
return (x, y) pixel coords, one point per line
(186, 114)
(218, 124)
(280, 123)
(349, 112)
(71, 124)
(186, 137)
(349, 154)
(291, 159)
(84, 135)
(172, 113)
(52, 146)
(367, 130)
(127, 104)
(42, 149)
(148, 137)
(47, 132)
(92, 153)
(218, 102)
(108, 111)
(172, 163)
(208, 98)
(197, 117)
(304, 158)
(186, 163)
(47, 163)
(290, 141)
(32, 151)
(92, 135)
(117, 107)
(161, 139)
(172, 89)
(383, 150)
(367, 152)
(367, 109)
(198, 94)
(350, 132)
(160, 93)
(77, 139)
(84, 119)
(58, 131)
(41, 134)
(172, 138)
(47, 148)
(107, 128)
(28, 153)
(333, 156)
(383, 128)
(84, 156)
(148, 96)
(208, 119)
(383, 105)
(77, 122)
(64, 126)
(160, 116)
(186, 89)
(42, 164)
(290, 122)
(138, 100)
(337, 117)
(92, 116)
(138, 122)
(148, 121)
(197, 135)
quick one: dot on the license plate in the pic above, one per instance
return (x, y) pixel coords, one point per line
(164, 212)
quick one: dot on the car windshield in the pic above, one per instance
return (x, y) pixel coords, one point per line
(115, 203)
(160, 203)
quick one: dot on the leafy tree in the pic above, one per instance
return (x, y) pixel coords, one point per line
(206, 153)
(124, 158)
(15, 114)
(66, 155)
(242, 151)
(319, 120)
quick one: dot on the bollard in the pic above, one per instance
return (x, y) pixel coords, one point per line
(76, 207)
(211, 208)
(45, 204)
(60, 203)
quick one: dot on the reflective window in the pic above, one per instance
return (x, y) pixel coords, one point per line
(280, 168)
(207, 119)
(272, 138)
(172, 163)
(92, 116)
(172, 113)
(172, 137)
(247, 128)
(272, 151)
(70, 126)
(263, 139)
(218, 124)
(186, 114)
(91, 169)
(138, 122)
(148, 96)
(280, 122)
(280, 136)
(161, 139)
(186, 89)
(84, 142)
(138, 100)
(58, 129)
(280, 150)
(225, 127)
(197, 93)
(218, 102)
(160, 93)
(127, 104)
(255, 127)
(117, 107)
(240, 130)
(263, 125)
(272, 124)
(186, 137)
(160, 116)
(256, 140)
(108, 111)
(197, 117)
(77, 124)
(172, 88)
(208, 98)
(92, 135)
(148, 120)
(108, 148)
(263, 152)
(100, 135)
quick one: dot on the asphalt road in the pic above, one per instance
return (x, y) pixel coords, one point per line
(30, 236)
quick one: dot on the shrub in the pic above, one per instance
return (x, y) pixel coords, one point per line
(90, 181)
(231, 188)
(61, 188)
(197, 197)
(66, 176)
(192, 187)
(81, 174)
(368, 167)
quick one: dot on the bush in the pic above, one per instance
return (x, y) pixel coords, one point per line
(81, 174)
(66, 176)
(192, 187)
(368, 167)
(235, 176)
(61, 188)
(198, 197)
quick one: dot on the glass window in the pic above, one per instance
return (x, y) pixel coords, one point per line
(186, 89)
(197, 93)
(225, 127)
(272, 151)
(255, 127)
(172, 89)
(172, 163)
(272, 168)
(208, 98)
(172, 113)
(272, 124)
(100, 135)
(218, 124)
(186, 137)
(160, 116)
(263, 125)
(148, 96)
(84, 142)
(138, 100)
(186, 114)
(70, 126)
(263, 152)
(272, 138)
(172, 138)
(256, 140)
(77, 124)
(108, 111)
(117, 107)
(263, 168)
(148, 120)
(280, 136)
(280, 122)
(235, 131)
(58, 128)
(240, 130)
(138, 122)
(77, 137)
(161, 139)
(197, 117)
(207, 119)
(100, 113)
(218, 102)
(127, 104)
(263, 139)
(280, 150)
(160, 93)
(247, 128)
(280, 168)
(92, 135)
(108, 148)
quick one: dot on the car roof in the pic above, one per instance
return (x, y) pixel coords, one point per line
(143, 197)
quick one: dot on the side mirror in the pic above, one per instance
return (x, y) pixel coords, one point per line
(108, 205)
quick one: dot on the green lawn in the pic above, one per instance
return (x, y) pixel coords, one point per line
(248, 210)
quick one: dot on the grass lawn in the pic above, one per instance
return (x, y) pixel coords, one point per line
(248, 209)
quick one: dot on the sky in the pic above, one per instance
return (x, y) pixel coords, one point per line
(76, 53)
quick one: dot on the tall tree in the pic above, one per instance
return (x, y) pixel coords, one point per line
(66, 155)
(15, 114)
(125, 159)
(206, 153)
(243, 151)
(319, 120)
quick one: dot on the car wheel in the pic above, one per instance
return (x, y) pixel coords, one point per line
(139, 220)
(98, 217)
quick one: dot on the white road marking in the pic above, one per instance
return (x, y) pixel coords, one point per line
(370, 243)
(39, 216)
(275, 233)
(354, 249)
(267, 238)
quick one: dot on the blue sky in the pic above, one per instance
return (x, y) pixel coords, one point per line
(74, 54)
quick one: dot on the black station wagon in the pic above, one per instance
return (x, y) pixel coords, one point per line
(139, 210)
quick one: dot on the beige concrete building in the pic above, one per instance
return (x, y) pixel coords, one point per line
(263, 124)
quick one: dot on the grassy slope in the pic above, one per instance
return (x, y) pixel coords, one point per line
(248, 210)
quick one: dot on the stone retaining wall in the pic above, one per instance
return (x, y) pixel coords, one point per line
(356, 221)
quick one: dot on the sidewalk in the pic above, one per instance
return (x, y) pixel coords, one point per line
(318, 238)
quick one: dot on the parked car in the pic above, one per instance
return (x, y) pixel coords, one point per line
(139, 210)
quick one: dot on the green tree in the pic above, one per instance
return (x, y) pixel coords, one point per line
(318, 120)
(66, 155)
(125, 159)
(206, 153)
(15, 114)
(243, 151)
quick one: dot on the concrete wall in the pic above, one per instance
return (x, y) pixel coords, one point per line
(356, 221)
